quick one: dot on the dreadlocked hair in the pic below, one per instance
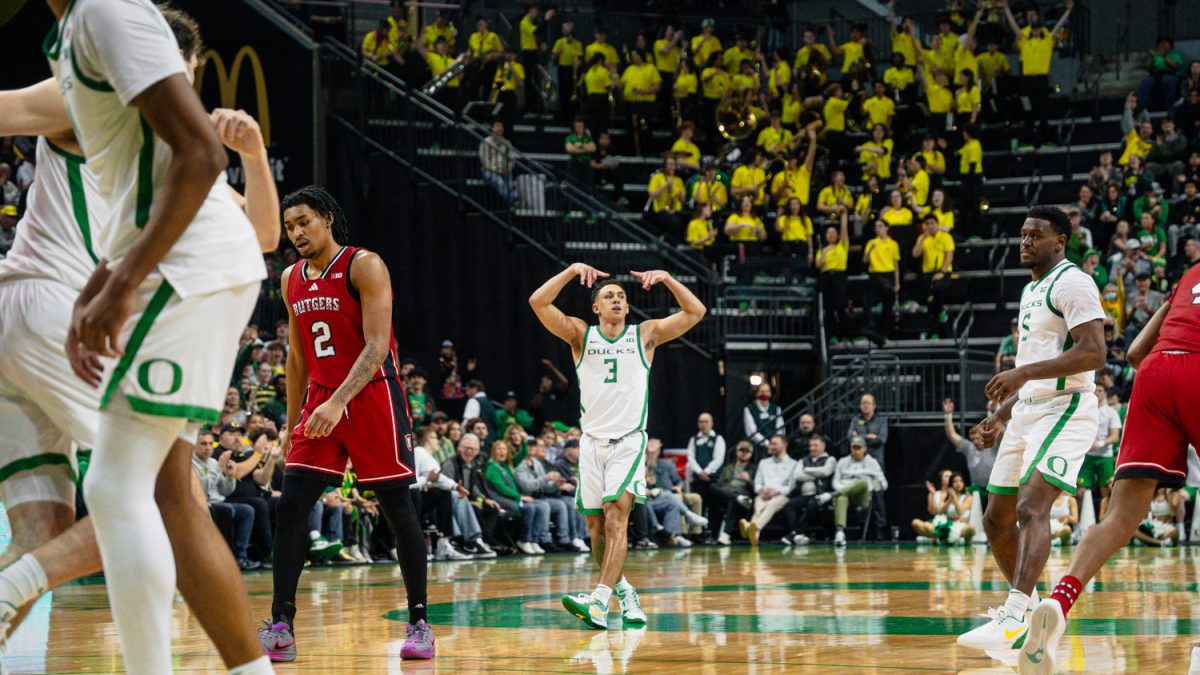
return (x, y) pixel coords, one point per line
(185, 28)
(323, 203)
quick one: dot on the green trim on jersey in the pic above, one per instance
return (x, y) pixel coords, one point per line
(641, 353)
(145, 181)
(1058, 427)
(78, 198)
(1050, 289)
(614, 340)
(52, 45)
(32, 462)
(639, 463)
(1001, 489)
(98, 85)
(153, 309)
(583, 349)
(1061, 383)
(66, 153)
(196, 413)
(1056, 266)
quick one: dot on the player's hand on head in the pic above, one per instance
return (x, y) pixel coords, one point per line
(238, 131)
(649, 277)
(588, 275)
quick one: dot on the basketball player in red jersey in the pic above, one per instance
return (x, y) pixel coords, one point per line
(1159, 426)
(341, 367)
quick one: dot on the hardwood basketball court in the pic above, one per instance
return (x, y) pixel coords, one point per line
(712, 610)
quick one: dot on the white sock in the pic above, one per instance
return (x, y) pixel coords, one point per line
(314, 535)
(603, 594)
(1195, 667)
(21, 582)
(259, 666)
(1034, 599)
(139, 565)
(623, 586)
(1017, 604)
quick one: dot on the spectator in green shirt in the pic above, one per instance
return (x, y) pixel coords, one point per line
(1152, 236)
(1157, 90)
(510, 414)
(1081, 237)
(1006, 355)
(580, 147)
(1091, 265)
(1151, 201)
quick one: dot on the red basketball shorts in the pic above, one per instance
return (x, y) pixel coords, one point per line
(1162, 419)
(375, 433)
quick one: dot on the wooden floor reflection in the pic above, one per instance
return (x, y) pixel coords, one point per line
(712, 611)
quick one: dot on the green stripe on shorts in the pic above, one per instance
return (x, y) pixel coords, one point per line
(153, 309)
(1058, 427)
(28, 463)
(637, 464)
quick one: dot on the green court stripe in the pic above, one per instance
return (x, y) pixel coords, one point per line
(161, 296)
(637, 464)
(145, 181)
(1058, 427)
(78, 200)
(192, 412)
(33, 462)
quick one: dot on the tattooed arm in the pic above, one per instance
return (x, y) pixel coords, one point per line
(370, 276)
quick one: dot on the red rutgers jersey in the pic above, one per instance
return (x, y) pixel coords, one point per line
(1180, 331)
(330, 322)
(375, 430)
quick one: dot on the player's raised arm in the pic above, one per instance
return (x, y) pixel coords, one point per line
(37, 110)
(658, 331)
(566, 328)
(240, 132)
(370, 277)
(294, 367)
(1144, 342)
(174, 113)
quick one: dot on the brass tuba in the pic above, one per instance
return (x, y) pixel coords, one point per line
(735, 121)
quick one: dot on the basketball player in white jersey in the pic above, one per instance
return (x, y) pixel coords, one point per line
(1051, 415)
(150, 302)
(613, 361)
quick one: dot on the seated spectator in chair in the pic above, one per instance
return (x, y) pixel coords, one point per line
(734, 491)
(1064, 516)
(433, 493)
(1140, 306)
(979, 459)
(217, 482)
(1158, 90)
(606, 169)
(705, 456)
(814, 475)
(580, 146)
(465, 468)
(496, 158)
(857, 479)
(806, 429)
(549, 487)
(762, 418)
(773, 482)
(666, 512)
(949, 506)
(870, 426)
(568, 461)
(668, 479)
(253, 468)
(501, 485)
(511, 413)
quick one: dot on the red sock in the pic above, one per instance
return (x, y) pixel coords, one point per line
(1067, 592)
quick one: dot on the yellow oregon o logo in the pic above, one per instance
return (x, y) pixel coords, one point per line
(227, 83)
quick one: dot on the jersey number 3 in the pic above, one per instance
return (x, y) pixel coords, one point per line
(321, 337)
(612, 371)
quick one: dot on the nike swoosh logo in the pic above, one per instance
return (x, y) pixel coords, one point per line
(279, 647)
(1008, 635)
(1035, 657)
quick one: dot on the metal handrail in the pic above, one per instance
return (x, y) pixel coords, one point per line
(962, 335)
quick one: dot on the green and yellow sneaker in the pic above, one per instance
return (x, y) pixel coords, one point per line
(585, 607)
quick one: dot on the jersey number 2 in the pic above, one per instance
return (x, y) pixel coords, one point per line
(321, 337)
(612, 371)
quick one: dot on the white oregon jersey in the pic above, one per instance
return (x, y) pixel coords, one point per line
(1064, 298)
(54, 239)
(105, 53)
(614, 384)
